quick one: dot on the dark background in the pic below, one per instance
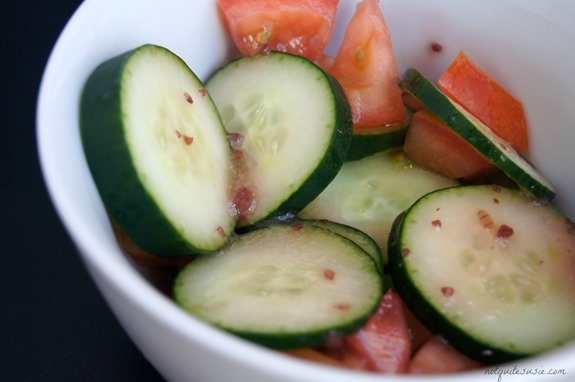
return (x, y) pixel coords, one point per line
(54, 325)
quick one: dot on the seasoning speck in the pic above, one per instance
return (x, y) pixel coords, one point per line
(436, 224)
(447, 291)
(504, 231)
(328, 274)
(436, 47)
(188, 97)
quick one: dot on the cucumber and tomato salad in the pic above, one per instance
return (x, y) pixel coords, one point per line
(489, 269)
(180, 164)
(158, 152)
(284, 286)
(369, 193)
(467, 126)
(169, 178)
(291, 125)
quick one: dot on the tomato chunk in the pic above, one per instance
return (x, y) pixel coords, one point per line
(467, 84)
(432, 144)
(418, 333)
(301, 27)
(366, 67)
(438, 357)
(384, 341)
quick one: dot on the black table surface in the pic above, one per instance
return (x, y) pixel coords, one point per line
(54, 324)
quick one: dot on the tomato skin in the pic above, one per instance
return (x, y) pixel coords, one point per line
(365, 66)
(467, 84)
(384, 342)
(438, 357)
(432, 144)
(301, 27)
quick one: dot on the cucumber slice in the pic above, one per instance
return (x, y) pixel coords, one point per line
(489, 269)
(477, 134)
(283, 286)
(368, 194)
(367, 141)
(295, 127)
(358, 237)
(158, 152)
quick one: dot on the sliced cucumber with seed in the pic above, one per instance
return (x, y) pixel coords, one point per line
(477, 134)
(358, 237)
(283, 286)
(489, 269)
(158, 152)
(292, 126)
(369, 193)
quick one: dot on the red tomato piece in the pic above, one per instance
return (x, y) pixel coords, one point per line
(412, 102)
(418, 333)
(467, 84)
(365, 66)
(301, 27)
(438, 357)
(432, 144)
(351, 359)
(384, 341)
(146, 259)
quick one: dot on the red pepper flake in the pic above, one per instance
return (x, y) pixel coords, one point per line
(436, 223)
(447, 291)
(328, 274)
(297, 227)
(188, 97)
(504, 231)
(243, 200)
(342, 307)
(496, 201)
(203, 92)
(496, 188)
(405, 252)
(485, 219)
(436, 47)
(221, 231)
(188, 140)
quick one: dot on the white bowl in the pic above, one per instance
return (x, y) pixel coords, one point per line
(525, 44)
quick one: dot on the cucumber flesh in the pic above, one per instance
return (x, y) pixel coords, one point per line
(489, 269)
(369, 193)
(477, 134)
(294, 124)
(158, 152)
(358, 237)
(283, 286)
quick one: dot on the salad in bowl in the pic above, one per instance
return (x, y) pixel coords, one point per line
(321, 190)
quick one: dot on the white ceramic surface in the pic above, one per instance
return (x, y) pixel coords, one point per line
(528, 45)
